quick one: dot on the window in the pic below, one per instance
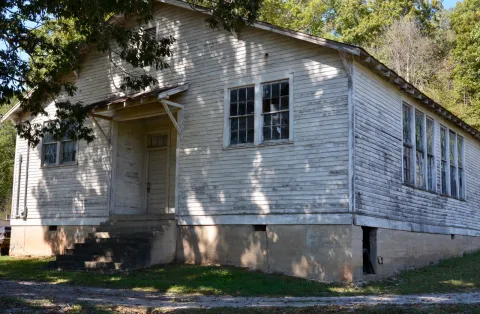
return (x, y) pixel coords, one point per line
(453, 175)
(420, 148)
(260, 113)
(242, 115)
(453, 167)
(407, 144)
(152, 32)
(58, 152)
(443, 140)
(430, 155)
(157, 141)
(275, 110)
(461, 183)
(49, 150)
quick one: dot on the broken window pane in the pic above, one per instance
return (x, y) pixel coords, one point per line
(275, 100)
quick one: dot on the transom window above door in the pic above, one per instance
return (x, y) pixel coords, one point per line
(157, 141)
(260, 113)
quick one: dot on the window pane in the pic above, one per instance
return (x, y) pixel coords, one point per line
(50, 154)
(233, 95)
(234, 137)
(430, 136)
(242, 108)
(266, 91)
(284, 89)
(250, 107)
(242, 94)
(407, 156)
(275, 104)
(430, 172)
(284, 103)
(452, 148)
(69, 150)
(250, 93)
(266, 105)
(48, 138)
(242, 123)
(443, 141)
(275, 98)
(275, 90)
(407, 118)
(460, 151)
(233, 110)
(419, 125)
(267, 133)
(234, 124)
(453, 181)
(419, 169)
(461, 184)
(444, 177)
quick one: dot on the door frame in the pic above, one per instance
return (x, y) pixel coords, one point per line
(147, 176)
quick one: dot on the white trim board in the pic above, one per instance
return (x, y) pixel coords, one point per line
(59, 221)
(268, 219)
(383, 223)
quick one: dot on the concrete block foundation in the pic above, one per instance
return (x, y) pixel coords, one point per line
(330, 253)
(45, 240)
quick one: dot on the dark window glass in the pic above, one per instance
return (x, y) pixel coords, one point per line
(275, 110)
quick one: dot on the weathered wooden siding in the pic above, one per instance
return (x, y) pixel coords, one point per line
(381, 199)
(306, 176)
(65, 192)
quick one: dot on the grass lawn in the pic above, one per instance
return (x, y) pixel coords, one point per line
(453, 275)
(15, 305)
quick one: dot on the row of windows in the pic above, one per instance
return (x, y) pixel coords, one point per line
(275, 113)
(419, 155)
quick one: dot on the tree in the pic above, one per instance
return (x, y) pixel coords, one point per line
(7, 155)
(357, 22)
(409, 52)
(41, 41)
(465, 21)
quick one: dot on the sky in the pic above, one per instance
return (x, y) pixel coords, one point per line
(447, 4)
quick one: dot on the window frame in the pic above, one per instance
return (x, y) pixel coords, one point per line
(413, 110)
(257, 82)
(59, 154)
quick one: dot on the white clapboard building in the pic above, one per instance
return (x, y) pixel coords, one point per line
(268, 149)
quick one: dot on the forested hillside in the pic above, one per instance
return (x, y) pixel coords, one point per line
(435, 49)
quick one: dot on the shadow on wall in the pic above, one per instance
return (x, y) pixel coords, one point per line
(319, 252)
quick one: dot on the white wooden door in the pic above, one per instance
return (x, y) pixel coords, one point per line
(157, 181)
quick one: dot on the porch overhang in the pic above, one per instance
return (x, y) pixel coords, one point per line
(139, 106)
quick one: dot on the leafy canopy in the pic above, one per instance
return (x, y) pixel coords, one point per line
(42, 41)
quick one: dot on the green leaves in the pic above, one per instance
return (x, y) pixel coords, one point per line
(43, 41)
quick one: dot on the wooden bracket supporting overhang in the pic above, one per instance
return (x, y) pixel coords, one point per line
(93, 117)
(166, 104)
